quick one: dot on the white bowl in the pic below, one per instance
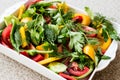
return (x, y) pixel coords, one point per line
(43, 70)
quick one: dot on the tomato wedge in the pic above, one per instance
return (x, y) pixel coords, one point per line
(48, 19)
(31, 2)
(5, 44)
(77, 19)
(53, 7)
(66, 76)
(90, 30)
(76, 71)
(6, 35)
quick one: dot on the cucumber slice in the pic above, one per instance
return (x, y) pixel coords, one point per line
(57, 67)
(86, 74)
(96, 60)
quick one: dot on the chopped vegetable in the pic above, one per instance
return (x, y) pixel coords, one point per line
(54, 35)
(34, 52)
(38, 57)
(89, 50)
(6, 35)
(66, 76)
(21, 10)
(48, 60)
(57, 67)
(85, 19)
(106, 44)
(23, 37)
(77, 41)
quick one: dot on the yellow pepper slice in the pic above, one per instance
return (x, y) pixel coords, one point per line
(63, 6)
(85, 19)
(41, 47)
(26, 19)
(99, 35)
(48, 60)
(23, 36)
(21, 10)
(106, 44)
(89, 50)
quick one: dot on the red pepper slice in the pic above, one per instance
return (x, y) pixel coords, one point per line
(6, 35)
(38, 57)
(66, 76)
(31, 2)
(25, 54)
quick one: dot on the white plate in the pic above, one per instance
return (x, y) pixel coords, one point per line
(43, 70)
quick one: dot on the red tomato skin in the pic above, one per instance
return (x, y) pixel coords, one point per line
(6, 36)
(4, 44)
(53, 7)
(31, 2)
(6, 33)
(77, 19)
(103, 51)
(78, 72)
(38, 57)
(48, 19)
(66, 76)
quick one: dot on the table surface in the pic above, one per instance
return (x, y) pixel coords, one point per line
(12, 70)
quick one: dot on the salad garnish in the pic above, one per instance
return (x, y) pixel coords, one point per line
(69, 43)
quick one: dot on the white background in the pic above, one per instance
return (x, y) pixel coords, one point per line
(12, 70)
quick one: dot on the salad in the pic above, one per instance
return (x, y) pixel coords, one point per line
(69, 43)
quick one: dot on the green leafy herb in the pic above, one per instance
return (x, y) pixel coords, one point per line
(105, 57)
(36, 29)
(110, 30)
(68, 15)
(41, 4)
(93, 41)
(107, 27)
(90, 13)
(29, 12)
(104, 32)
(58, 19)
(17, 39)
(77, 40)
(1, 32)
(51, 33)
(15, 35)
